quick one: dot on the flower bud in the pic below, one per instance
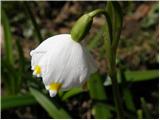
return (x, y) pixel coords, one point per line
(81, 27)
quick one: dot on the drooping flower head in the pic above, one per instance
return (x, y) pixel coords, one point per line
(62, 63)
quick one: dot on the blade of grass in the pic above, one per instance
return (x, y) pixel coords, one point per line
(7, 38)
(49, 106)
(5, 77)
(128, 99)
(33, 20)
(139, 114)
(96, 88)
(11, 83)
(127, 95)
(137, 76)
(72, 92)
(14, 78)
(111, 42)
(95, 40)
(21, 55)
(8, 102)
(98, 95)
(114, 10)
(9, 75)
(18, 78)
(102, 111)
(19, 74)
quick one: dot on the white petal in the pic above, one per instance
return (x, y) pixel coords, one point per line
(91, 62)
(38, 75)
(34, 73)
(36, 57)
(52, 93)
(47, 87)
(44, 47)
(32, 67)
(55, 61)
(47, 44)
(77, 68)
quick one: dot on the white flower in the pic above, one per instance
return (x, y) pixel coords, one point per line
(62, 63)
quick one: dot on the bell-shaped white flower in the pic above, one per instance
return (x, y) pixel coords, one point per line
(62, 63)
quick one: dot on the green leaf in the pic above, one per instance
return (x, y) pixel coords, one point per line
(96, 88)
(101, 111)
(95, 40)
(21, 55)
(16, 101)
(8, 38)
(128, 98)
(72, 92)
(137, 76)
(9, 78)
(107, 34)
(127, 95)
(98, 95)
(11, 84)
(50, 107)
(114, 10)
(139, 114)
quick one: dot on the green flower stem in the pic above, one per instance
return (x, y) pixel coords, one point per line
(97, 11)
(115, 87)
(112, 63)
(81, 29)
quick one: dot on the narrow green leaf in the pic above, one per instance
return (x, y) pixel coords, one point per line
(137, 76)
(8, 38)
(114, 10)
(139, 114)
(19, 73)
(98, 95)
(107, 34)
(72, 92)
(50, 107)
(128, 98)
(127, 95)
(96, 88)
(18, 80)
(33, 20)
(95, 40)
(9, 79)
(102, 111)
(11, 83)
(115, 24)
(21, 55)
(8, 102)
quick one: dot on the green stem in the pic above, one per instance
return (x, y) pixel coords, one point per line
(112, 68)
(97, 11)
(115, 87)
(111, 52)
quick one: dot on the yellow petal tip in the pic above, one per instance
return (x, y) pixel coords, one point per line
(55, 86)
